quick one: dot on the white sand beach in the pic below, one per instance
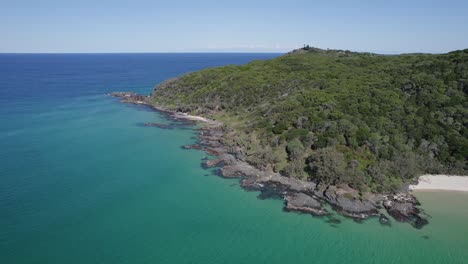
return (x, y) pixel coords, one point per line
(195, 118)
(442, 182)
(192, 117)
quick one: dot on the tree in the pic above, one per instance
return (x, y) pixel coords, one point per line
(295, 169)
(328, 165)
(294, 149)
(280, 127)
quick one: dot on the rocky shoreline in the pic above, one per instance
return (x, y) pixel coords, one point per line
(299, 196)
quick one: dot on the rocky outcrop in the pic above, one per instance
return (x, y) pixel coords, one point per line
(293, 185)
(301, 196)
(348, 202)
(403, 207)
(224, 159)
(304, 203)
(130, 97)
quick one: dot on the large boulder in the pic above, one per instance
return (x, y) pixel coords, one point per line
(303, 203)
(224, 159)
(347, 201)
(292, 184)
(403, 207)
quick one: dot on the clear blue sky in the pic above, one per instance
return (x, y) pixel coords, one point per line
(391, 26)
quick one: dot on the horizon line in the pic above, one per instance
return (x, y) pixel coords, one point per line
(229, 52)
(152, 52)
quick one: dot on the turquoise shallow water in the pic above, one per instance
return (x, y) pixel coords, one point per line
(81, 182)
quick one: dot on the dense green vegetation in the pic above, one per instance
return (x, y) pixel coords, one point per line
(372, 121)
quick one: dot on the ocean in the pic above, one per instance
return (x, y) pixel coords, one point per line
(81, 181)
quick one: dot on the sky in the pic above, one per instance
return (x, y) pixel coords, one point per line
(95, 26)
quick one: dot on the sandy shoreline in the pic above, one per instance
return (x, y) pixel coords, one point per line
(206, 121)
(191, 117)
(442, 183)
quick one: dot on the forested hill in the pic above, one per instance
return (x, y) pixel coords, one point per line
(373, 121)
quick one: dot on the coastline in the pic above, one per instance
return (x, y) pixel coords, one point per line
(441, 182)
(298, 195)
(133, 98)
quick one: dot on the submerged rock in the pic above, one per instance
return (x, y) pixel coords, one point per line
(420, 222)
(384, 220)
(158, 125)
(272, 190)
(333, 221)
(193, 146)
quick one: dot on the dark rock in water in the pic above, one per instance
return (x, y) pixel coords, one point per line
(266, 193)
(272, 190)
(403, 207)
(183, 122)
(333, 221)
(420, 222)
(250, 184)
(425, 237)
(402, 212)
(130, 97)
(304, 203)
(162, 126)
(384, 220)
(193, 146)
(358, 220)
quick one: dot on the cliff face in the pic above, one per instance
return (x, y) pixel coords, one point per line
(337, 117)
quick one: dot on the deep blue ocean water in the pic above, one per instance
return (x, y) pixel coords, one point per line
(82, 182)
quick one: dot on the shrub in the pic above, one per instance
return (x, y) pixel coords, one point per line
(295, 169)
(294, 149)
(296, 133)
(280, 128)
